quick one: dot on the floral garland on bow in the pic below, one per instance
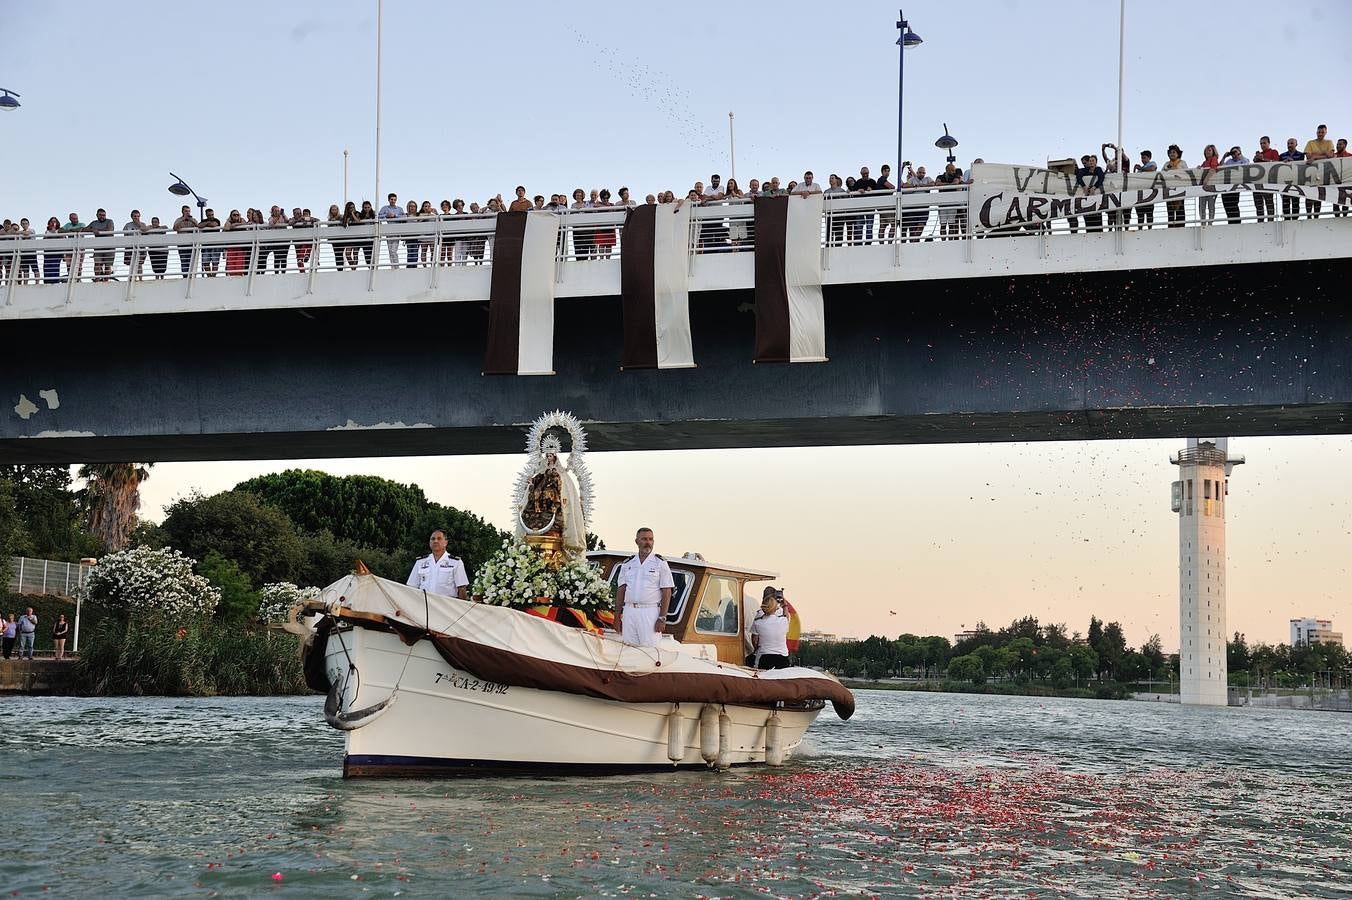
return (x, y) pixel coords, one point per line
(517, 576)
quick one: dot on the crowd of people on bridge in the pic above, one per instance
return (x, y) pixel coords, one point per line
(294, 252)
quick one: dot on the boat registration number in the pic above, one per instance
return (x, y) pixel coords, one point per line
(465, 683)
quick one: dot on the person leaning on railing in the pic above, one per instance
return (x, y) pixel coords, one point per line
(1206, 205)
(1230, 199)
(1319, 148)
(1262, 200)
(102, 226)
(1145, 214)
(28, 260)
(1341, 152)
(185, 224)
(1291, 205)
(51, 260)
(211, 253)
(131, 257)
(1173, 209)
(914, 218)
(159, 256)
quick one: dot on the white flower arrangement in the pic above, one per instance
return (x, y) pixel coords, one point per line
(275, 600)
(518, 576)
(151, 585)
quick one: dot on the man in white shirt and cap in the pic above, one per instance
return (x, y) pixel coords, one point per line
(644, 594)
(438, 572)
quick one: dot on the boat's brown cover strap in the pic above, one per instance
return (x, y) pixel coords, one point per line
(520, 670)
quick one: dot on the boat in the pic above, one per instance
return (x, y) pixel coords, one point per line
(427, 685)
(528, 675)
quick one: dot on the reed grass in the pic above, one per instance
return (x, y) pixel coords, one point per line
(211, 659)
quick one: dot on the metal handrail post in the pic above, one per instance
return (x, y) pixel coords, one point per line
(194, 262)
(131, 274)
(314, 259)
(252, 265)
(73, 266)
(20, 585)
(896, 228)
(13, 277)
(375, 259)
(436, 255)
(44, 576)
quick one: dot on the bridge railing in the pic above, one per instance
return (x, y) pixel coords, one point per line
(70, 262)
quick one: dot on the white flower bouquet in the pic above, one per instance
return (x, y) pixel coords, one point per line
(518, 576)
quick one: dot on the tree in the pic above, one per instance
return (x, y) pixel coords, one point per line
(239, 601)
(259, 538)
(1083, 661)
(49, 510)
(112, 497)
(1237, 657)
(966, 668)
(1112, 649)
(1153, 651)
(364, 509)
(12, 533)
(467, 536)
(1095, 635)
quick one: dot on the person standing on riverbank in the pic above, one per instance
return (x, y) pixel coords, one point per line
(59, 632)
(28, 630)
(10, 635)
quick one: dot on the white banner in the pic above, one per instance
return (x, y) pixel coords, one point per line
(1008, 196)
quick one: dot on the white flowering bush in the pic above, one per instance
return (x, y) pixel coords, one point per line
(152, 586)
(275, 600)
(517, 576)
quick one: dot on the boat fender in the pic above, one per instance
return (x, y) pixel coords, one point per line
(708, 734)
(353, 719)
(724, 739)
(774, 741)
(675, 746)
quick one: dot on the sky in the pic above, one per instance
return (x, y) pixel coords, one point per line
(254, 103)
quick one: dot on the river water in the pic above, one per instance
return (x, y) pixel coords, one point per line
(920, 794)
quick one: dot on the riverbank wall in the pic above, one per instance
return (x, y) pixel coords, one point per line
(36, 676)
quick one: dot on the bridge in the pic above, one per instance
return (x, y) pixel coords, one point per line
(1022, 334)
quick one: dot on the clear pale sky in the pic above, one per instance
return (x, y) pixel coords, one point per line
(253, 103)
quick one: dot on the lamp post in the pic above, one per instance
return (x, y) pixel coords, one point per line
(10, 101)
(180, 189)
(380, 41)
(908, 38)
(947, 142)
(732, 149)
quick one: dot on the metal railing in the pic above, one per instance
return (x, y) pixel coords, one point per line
(46, 576)
(247, 253)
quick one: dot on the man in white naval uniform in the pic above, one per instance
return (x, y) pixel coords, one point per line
(438, 572)
(644, 595)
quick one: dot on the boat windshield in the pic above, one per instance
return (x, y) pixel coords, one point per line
(683, 578)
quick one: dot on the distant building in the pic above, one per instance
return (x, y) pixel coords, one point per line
(819, 637)
(1314, 631)
(964, 636)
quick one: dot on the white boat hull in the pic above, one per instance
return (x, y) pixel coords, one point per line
(443, 720)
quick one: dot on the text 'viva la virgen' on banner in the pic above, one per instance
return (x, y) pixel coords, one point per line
(1005, 197)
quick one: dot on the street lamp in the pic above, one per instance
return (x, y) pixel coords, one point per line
(947, 142)
(180, 189)
(10, 101)
(908, 38)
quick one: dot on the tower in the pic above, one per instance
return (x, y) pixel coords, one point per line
(1199, 498)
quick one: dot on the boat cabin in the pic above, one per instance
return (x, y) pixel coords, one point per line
(707, 605)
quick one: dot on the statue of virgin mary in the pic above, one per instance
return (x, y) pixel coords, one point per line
(553, 503)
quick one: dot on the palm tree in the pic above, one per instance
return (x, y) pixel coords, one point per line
(113, 495)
